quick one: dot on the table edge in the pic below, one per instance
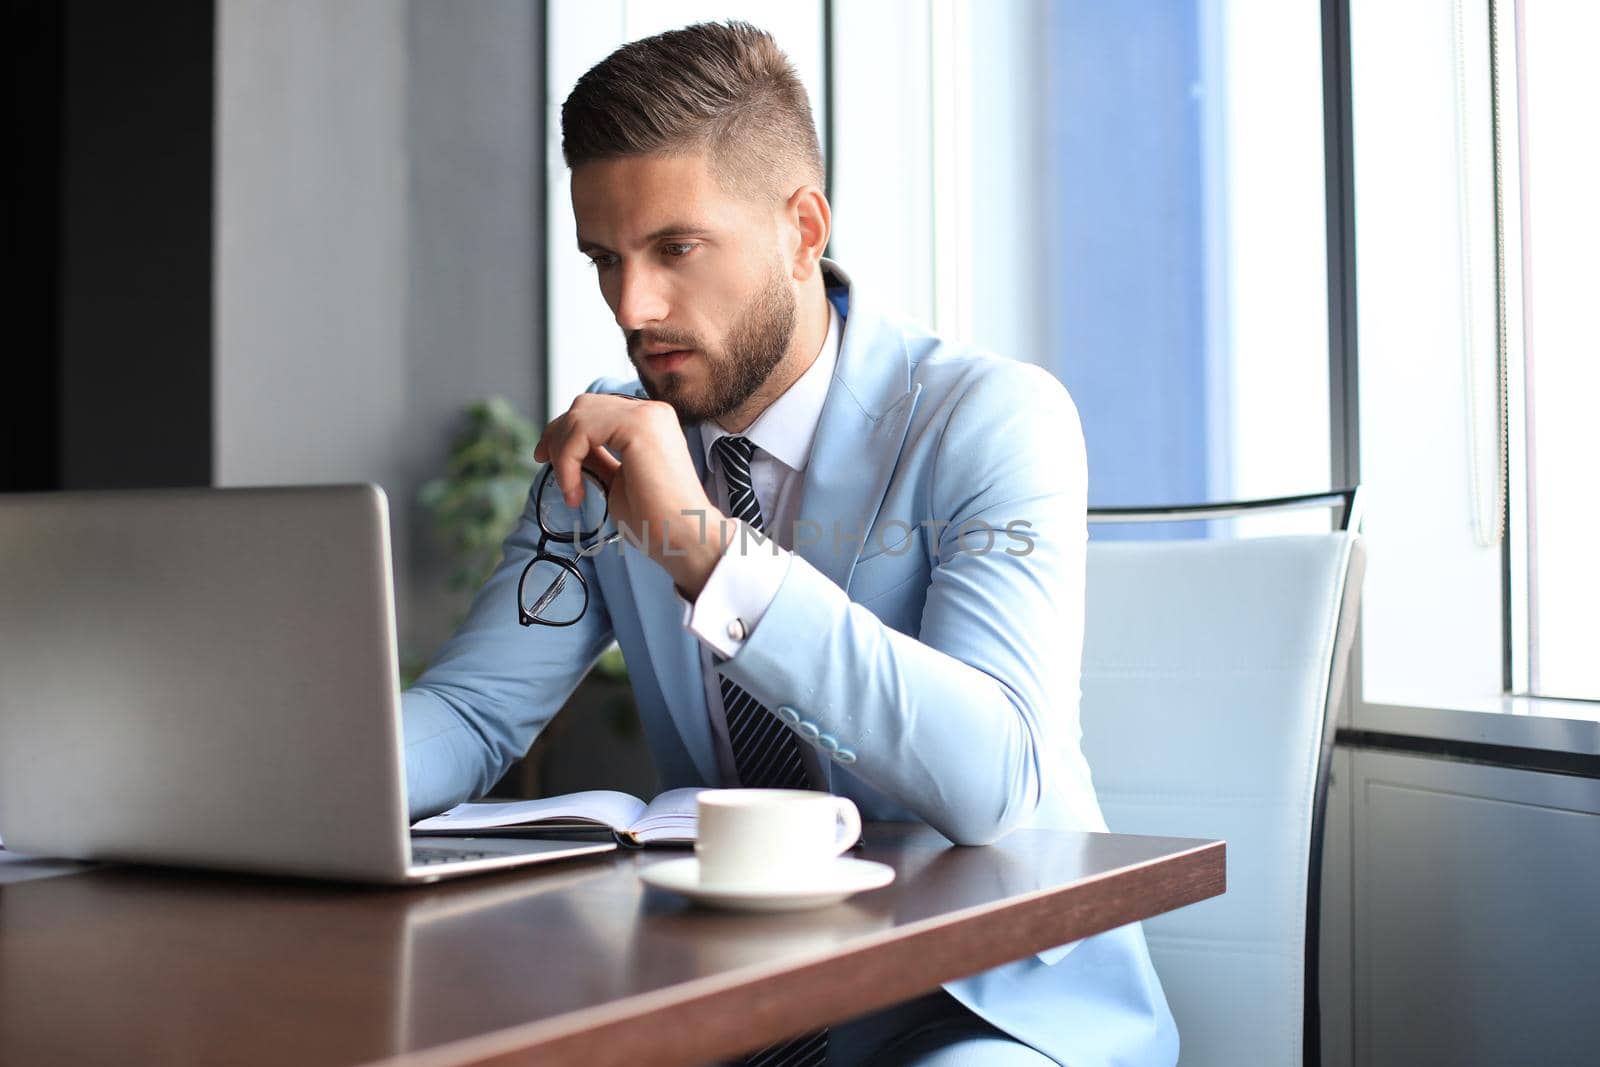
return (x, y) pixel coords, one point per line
(637, 1023)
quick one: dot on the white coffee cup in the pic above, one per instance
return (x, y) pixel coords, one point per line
(771, 837)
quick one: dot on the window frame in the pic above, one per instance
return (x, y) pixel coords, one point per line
(1536, 733)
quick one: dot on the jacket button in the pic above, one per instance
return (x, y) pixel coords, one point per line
(828, 742)
(844, 755)
(788, 714)
(809, 731)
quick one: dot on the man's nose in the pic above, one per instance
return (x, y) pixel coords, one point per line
(641, 300)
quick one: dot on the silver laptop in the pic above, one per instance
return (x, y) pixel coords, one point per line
(207, 677)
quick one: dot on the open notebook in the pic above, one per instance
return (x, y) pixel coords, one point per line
(669, 819)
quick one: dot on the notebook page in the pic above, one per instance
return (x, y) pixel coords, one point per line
(613, 809)
(671, 816)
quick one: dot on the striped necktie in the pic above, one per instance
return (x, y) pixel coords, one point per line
(766, 753)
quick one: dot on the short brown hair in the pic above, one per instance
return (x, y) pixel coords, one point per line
(725, 89)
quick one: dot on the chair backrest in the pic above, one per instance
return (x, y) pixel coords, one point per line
(1210, 670)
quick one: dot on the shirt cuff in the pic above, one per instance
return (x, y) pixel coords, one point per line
(738, 592)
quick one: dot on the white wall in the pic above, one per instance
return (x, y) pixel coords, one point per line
(311, 259)
(378, 261)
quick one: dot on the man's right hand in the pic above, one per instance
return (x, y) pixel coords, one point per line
(637, 449)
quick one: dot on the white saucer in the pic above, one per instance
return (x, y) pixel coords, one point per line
(829, 885)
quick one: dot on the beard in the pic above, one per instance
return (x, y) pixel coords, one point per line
(754, 347)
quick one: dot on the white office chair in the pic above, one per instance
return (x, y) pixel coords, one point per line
(1211, 673)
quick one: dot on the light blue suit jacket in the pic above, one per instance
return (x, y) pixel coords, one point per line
(942, 660)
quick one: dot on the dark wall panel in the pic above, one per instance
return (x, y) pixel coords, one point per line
(135, 244)
(28, 375)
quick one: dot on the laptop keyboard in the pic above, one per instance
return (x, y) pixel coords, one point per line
(428, 856)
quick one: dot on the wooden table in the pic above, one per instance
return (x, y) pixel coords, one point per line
(573, 963)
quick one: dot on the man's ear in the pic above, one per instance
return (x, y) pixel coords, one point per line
(808, 212)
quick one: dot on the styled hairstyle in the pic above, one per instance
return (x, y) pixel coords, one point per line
(725, 90)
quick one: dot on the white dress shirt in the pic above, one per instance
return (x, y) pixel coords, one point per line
(746, 579)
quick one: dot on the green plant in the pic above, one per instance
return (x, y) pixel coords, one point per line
(610, 664)
(477, 501)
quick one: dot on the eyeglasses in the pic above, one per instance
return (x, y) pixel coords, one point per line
(552, 591)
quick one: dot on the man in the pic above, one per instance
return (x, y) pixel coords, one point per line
(909, 637)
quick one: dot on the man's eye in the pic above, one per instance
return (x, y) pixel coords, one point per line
(678, 249)
(601, 262)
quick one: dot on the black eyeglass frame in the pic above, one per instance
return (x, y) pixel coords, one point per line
(585, 541)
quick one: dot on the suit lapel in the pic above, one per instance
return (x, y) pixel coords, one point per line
(864, 422)
(863, 426)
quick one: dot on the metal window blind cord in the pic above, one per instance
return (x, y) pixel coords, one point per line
(1488, 518)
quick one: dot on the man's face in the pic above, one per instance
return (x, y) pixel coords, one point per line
(694, 274)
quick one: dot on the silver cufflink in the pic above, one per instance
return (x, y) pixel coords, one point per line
(736, 630)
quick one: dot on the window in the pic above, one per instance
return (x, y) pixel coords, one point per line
(1560, 222)
(1431, 626)
(1133, 196)
(1475, 241)
(1107, 190)
(1129, 195)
